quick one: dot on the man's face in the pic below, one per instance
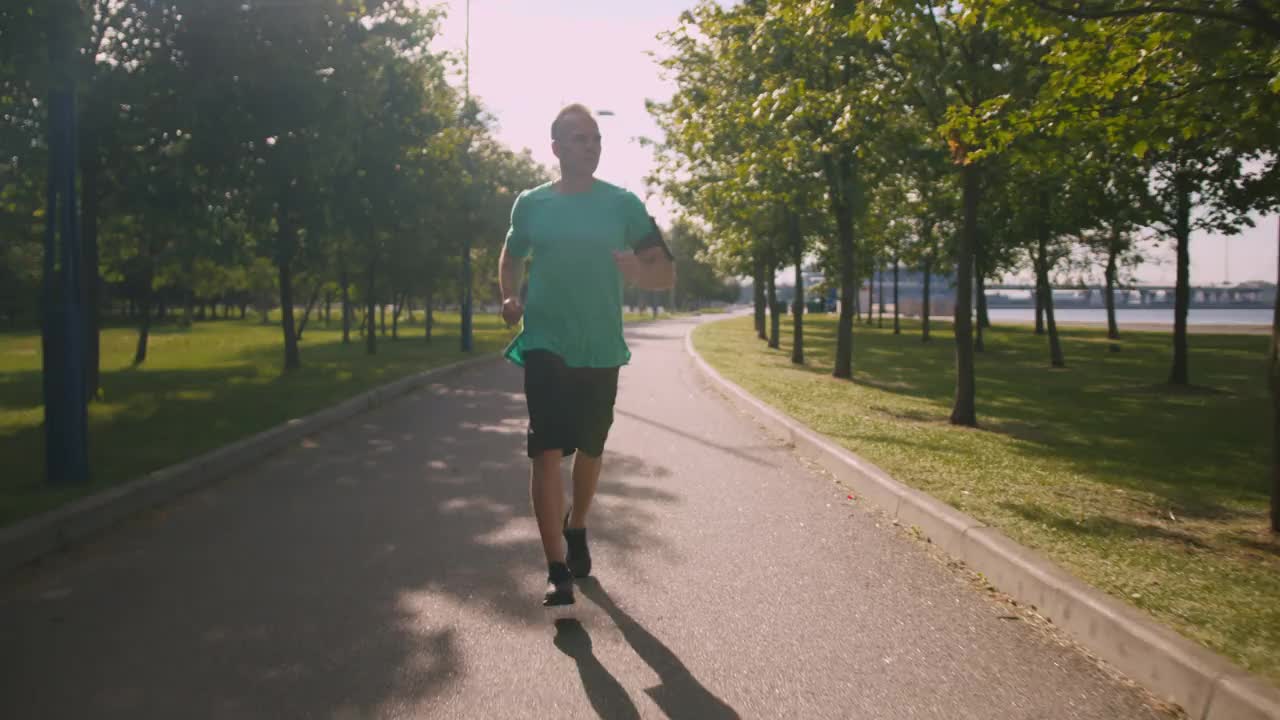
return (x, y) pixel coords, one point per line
(578, 146)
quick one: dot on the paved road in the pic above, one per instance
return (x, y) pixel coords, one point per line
(390, 568)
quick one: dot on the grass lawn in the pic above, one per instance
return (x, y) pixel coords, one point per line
(1156, 496)
(200, 388)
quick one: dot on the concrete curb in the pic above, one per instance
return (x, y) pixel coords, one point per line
(36, 537)
(1207, 685)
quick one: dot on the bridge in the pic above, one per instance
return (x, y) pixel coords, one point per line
(1139, 295)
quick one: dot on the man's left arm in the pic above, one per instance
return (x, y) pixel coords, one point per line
(651, 266)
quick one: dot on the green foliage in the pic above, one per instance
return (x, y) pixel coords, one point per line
(697, 281)
(220, 142)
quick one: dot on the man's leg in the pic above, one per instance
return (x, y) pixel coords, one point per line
(547, 491)
(586, 477)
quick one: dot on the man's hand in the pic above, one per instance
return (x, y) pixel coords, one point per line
(629, 265)
(512, 311)
(648, 269)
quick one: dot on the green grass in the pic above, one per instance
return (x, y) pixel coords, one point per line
(1156, 496)
(201, 388)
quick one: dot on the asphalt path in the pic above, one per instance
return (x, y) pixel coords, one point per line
(390, 567)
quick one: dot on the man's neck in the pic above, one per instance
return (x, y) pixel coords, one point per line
(570, 184)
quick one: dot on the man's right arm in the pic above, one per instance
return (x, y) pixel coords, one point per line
(510, 275)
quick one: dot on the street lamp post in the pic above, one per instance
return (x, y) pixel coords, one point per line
(63, 333)
(465, 330)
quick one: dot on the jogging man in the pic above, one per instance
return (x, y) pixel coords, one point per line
(584, 238)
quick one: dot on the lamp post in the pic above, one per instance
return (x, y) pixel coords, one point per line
(465, 333)
(63, 329)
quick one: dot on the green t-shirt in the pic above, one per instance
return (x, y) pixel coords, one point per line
(574, 302)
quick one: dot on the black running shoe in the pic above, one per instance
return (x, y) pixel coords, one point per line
(559, 585)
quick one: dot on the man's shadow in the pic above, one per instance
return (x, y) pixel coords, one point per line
(606, 694)
(679, 694)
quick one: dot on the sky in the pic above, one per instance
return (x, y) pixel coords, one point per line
(529, 58)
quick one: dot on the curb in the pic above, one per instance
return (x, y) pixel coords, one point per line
(55, 530)
(1205, 684)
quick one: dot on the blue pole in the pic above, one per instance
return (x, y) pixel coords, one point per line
(466, 207)
(63, 338)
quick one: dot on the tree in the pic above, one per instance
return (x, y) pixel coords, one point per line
(1195, 87)
(956, 72)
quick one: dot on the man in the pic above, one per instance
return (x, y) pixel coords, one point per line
(584, 237)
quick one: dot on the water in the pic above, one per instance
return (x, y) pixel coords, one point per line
(1137, 316)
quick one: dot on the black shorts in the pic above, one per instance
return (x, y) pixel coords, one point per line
(570, 408)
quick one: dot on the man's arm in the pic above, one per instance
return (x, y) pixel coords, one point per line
(647, 269)
(510, 276)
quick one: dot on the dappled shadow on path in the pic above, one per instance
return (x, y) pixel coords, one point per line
(329, 579)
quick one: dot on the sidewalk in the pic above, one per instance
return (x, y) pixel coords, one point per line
(390, 568)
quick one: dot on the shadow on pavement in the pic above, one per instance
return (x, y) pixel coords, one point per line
(330, 578)
(680, 695)
(607, 696)
(686, 434)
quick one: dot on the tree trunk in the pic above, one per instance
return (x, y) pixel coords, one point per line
(345, 281)
(881, 319)
(841, 192)
(758, 295)
(371, 317)
(90, 183)
(306, 314)
(188, 298)
(871, 299)
(897, 325)
(1046, 290)
(797, 318)
(144, 307)
(1275, 406)
(924, 303)
(871, 296)
(428, 310)
(244, 310)
(979, 343)
(1113, 330)
(292, 359)
(963, 412)
(382, 316)
(328, 307)
(980, 278)
(397, 304)
(1035, 263)
(286, 240)
(775, 323)
(1181, 374)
